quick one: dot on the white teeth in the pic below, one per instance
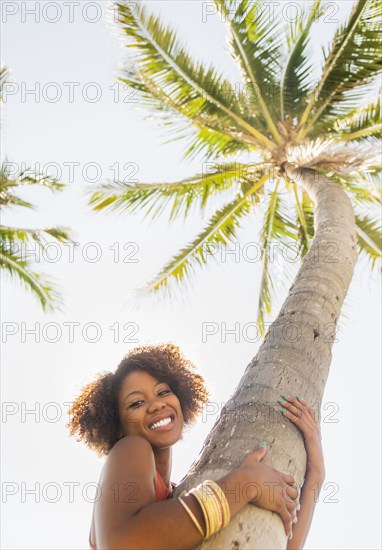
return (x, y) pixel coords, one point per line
(163, 422)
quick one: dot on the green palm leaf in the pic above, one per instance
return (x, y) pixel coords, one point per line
(369, 237)
(296, 80)
(4, 74)
(14, 259)
(215, 135)
(213, 143)
(25, 235)
(255, 45)
(353, 60)
(277, 226)
(362, 124)
(304, 220)
(17, 266)
(154, 198)
(363, 186)
(9, 182)
(373, 175)
(162, 59)
(220, 230)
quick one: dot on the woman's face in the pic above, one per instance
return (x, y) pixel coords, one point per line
(145, 400)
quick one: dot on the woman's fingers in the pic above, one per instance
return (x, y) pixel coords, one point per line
(310, 410)
(299, 407)
(292, 501)
(292, 509)
(293, 405)
(287, 519)
(288, 479)
(292, 492)
(293, 414)
(298, 413)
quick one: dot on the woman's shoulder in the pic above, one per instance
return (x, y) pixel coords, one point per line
(126, 483)
(132, 453)
(131, 445)
(128, 441)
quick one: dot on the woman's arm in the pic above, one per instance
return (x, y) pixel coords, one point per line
(298, 411)
(309, 494)
(127, 516)
(166, 525)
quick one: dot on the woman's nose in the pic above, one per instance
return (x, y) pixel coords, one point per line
(156, 404)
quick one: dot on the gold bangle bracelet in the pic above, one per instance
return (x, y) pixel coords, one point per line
(215, 498)
(214, 505)
(199, 498)
(216, 509)
(222, 499)
(208, 502)
(192, 516)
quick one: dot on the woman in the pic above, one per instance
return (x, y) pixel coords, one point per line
(134, 416)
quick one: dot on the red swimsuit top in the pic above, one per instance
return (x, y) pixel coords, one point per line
(161, 493)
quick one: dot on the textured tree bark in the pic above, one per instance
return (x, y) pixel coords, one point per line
(294, 358)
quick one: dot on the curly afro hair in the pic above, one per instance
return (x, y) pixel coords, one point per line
(94, 413)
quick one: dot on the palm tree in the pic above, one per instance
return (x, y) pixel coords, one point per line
(314, 176)
(16, 242)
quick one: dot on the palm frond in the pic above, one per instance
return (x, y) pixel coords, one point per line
(353, 61)
(4, 75)
(362, 124)
(13, 234)
(14, 258)
(304, 220)
(215, 134)
(277, 226)
(9, 182)
(363, 187)
(153, 198)
(162, 59)
(373, 175)
(221, 230)
(17, 266)
(296, 80)
(256, 47)
(213, 144)
(369, 237)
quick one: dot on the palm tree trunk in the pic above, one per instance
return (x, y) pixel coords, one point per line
(294, 359)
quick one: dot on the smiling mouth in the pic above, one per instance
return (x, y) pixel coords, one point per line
(168, 421)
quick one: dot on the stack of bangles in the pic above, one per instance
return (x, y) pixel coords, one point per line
(214, 505)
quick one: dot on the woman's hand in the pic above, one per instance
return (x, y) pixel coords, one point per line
(270, 489)
(298, 412)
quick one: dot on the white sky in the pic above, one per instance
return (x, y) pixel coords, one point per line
(36, 449)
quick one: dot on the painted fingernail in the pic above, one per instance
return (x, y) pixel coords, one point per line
(298, 397)
(262, 443)
(283, 395)
(283, 410)
(281, 400)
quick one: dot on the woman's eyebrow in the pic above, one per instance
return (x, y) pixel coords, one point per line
(138, 391)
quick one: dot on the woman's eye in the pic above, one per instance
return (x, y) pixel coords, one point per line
(138, 403)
